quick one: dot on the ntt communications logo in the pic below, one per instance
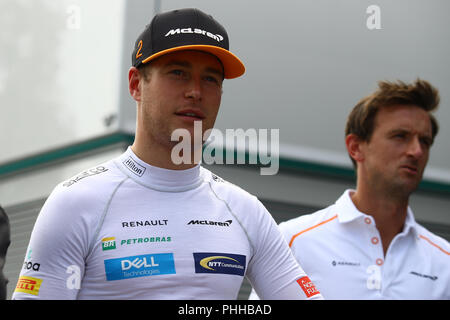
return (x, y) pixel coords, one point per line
(224, 263)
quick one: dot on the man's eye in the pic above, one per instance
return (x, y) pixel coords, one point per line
(212, 80)
(425, 141)
(177, 72)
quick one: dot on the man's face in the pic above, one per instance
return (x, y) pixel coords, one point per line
(398, 151)
(182, 87)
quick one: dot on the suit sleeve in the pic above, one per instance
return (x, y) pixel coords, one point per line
(54, 263)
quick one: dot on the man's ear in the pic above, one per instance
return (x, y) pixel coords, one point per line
(134, 79)
(354, 147)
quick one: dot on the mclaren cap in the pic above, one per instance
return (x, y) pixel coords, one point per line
(186, 29)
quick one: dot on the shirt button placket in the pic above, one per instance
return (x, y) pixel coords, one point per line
(375, 241)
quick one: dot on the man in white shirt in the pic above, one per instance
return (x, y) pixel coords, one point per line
(143, 226)
(367, 245)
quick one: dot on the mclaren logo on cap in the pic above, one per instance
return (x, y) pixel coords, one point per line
(216, 37)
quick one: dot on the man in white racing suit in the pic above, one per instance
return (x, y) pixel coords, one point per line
(144, 227)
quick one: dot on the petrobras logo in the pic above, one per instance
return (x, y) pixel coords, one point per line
(133, 241)
(108, 243)
(224, 263)
(139, 266)
(216, 37)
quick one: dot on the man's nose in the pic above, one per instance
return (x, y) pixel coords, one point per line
(194, 89)
(415, 148)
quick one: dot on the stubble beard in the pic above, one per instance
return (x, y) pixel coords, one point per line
(396, 186)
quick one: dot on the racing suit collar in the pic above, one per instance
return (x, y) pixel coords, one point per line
(158, 178)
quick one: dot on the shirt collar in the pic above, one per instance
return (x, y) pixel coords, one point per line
(410, 223)
(346, 209)
(158, 178)
(347, 212)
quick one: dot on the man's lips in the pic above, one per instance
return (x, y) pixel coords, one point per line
(410, 168)
(191, 113)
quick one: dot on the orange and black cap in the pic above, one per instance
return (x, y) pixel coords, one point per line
(186, 29)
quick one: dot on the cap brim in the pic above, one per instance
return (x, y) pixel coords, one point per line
(233, 66)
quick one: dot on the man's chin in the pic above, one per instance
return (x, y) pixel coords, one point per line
(407, 187)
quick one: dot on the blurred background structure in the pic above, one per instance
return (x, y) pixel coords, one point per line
(65, 106)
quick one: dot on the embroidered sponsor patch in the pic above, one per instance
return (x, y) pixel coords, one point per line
(85, 174)
(134, 167)
(28, 285)
(224, 263)
(139, 266)
(108, 243)
(308, 287)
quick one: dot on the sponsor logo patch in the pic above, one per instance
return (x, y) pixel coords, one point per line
(139, 266)
(85, 174)
(30, 265)
(108, 243)
(143, 223)
(335, 263)
(134, 167)
(224, 263)
(308, 287)
(216, 37)
(226, 223)
(424, 275)
(125, 242)
(28, 285)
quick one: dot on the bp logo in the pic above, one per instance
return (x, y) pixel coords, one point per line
(108, 243)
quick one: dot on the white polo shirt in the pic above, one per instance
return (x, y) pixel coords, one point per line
(339, 248)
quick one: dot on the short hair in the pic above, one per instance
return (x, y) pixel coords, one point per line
(145, 71)
(361, 120)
